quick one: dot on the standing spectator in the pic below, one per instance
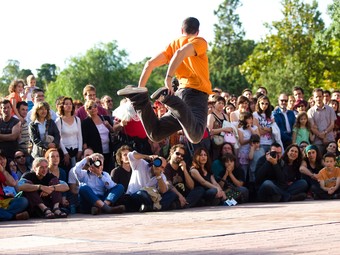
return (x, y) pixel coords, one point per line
(15, 89)
(247, 93)
(300, 106)
(71, 139)
(291, 102)
(279, 179)
(322, 118)
(89, 93)
(24, 140)
(97, 192)
(9, 129)
(245, 130)
(256, 152)
(262, 90)
(263, 119)
(335, 104)
(180, 180)
(285, 120)
(107, 104)
(43, 131)
(326, 96)
(203, 177)
(96, 131)
(241, 106)
(28, 95)
(38, 96)
(43, 190)
(336, 95)
(302, 129)
(298, 93)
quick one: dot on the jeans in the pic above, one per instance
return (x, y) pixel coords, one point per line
(188, 110)
(270, 192)
(17, 205)
(142, 197)
(194, 196)
(87, 198)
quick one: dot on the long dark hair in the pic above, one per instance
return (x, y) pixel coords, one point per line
(297, 162)
(196, 164)
(268, 111)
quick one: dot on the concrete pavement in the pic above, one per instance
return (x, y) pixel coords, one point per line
(309, 227)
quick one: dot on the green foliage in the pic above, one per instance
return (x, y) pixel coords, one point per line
(229, 50)
(104, 66)
(294, 54)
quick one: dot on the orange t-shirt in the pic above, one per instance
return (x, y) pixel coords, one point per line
(193, 72)
(329, 177)
(13, 96)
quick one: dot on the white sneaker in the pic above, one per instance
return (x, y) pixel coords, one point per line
(130, 89)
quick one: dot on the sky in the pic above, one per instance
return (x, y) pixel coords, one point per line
(35, 32)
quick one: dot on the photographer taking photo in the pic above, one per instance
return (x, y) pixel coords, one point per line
(278, 178)
(97, 192)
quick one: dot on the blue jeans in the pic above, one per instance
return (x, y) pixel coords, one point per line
(270, 192)
(194, 196)
(142, 197)
(188, 110)
(87, 198)
(17, 205)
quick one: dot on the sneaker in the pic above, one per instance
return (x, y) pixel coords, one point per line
(22, 216)
(95, 210)
(162, 91)
(145, 208)
(130, 90)
(115, 209)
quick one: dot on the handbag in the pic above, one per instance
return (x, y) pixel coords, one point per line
(230, 138)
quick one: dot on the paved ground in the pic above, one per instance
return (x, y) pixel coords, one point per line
(309, 227)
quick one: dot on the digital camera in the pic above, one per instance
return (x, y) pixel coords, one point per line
(96, 163)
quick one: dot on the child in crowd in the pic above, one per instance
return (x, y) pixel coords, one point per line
(302, 130)
(245, 130)
(329, 179)
(15, 89)
(31, 82)
(256, 152)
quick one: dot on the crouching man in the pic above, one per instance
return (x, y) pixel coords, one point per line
(97, 191)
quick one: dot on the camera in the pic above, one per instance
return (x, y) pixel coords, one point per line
(96, 163)
(273, 154)
(156, 162)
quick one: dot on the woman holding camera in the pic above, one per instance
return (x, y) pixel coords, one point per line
(97, 191)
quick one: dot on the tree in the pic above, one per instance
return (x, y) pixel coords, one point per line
(104, 66)
(293, 54)
(229, 50)
(47, 73)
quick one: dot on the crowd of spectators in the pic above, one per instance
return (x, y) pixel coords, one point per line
(89, 157)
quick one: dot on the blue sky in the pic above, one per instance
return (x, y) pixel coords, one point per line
(42, 31)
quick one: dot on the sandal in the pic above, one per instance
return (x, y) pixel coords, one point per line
(48, 214)
(58, 213)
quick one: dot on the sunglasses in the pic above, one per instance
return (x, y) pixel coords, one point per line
(284, 100)
(264, 103)
(92, 106)
(179, 154)
(22, 156)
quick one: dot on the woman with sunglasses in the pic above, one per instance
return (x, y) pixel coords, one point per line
(96, 131)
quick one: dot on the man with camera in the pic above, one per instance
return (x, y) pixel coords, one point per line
(97, 191)
(276, 178)
(148, 185)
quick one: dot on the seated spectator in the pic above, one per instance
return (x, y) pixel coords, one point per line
(331, 147)
(122, 173)
(302, 146)
(148, 184)
(97, 192)
(44, 133)
(232, 181)
(278, 179)
(310, 166)
(202, 175)
(43, 190)
(217, 166)
(329, 180)
(21, 163)
(74, 184)
(53, 158)
(11, 208)
(180, 180)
